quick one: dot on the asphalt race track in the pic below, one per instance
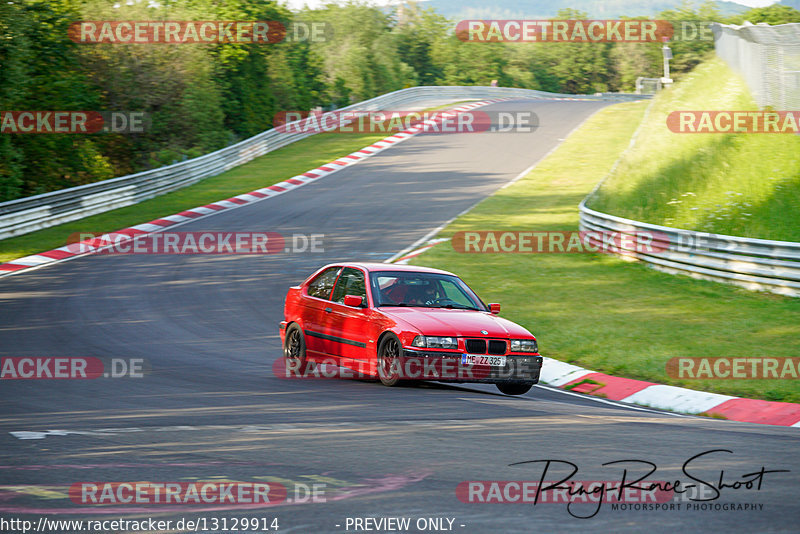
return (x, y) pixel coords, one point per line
(210, 407)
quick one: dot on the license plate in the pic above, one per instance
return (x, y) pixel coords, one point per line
(483, 359)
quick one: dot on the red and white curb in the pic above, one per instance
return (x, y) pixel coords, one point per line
(414, 253)
(91, 246)
(577, 379)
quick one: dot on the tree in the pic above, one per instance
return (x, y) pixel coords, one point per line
(362, 58)
(773, 15)
(420, 36)
(689, 53)
(41, 72)
(15, 54)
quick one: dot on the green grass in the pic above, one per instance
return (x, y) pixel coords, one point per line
(604, 313)
(269, 169)
(735, 184)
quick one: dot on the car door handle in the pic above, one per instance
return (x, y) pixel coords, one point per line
(328, 310)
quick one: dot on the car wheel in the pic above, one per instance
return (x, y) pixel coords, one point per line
(294, 350)
(389, 352)
(514, 388)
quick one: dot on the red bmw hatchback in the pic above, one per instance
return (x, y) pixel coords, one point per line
(399, 322)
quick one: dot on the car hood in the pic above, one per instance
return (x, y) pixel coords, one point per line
(462, 323)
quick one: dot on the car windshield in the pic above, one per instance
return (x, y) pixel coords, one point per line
(426, 290)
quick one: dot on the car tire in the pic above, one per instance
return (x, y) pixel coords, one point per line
(294, 350)
(389, 352)
(514, 388)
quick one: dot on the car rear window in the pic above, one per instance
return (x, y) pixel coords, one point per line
(322, 285)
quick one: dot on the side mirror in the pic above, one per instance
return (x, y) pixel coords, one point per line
(353, 301)
(494, 308)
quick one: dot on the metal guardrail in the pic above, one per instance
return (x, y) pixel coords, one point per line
(757, 264)
(25, 215)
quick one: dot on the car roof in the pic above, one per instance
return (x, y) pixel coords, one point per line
(372, 267)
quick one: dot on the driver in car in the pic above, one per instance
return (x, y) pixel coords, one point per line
(421, 295)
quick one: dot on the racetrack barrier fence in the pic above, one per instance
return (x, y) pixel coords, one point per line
(767, 57)
(756, 264)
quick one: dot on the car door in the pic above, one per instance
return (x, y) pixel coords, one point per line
(316, 308)
(348, 327)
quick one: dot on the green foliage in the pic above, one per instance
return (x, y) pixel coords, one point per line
(421, 37)
(361, 60)
(773, 15)
(689, 53)
(476, 64)
(15, 52)
(40, 71)
(544, 9)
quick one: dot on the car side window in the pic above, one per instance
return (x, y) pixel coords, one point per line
(322, 285)
(350, 283)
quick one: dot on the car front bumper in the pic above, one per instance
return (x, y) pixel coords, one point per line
(447, 367)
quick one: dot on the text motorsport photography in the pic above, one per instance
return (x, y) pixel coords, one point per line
(700, 486)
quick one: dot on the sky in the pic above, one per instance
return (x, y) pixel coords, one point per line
(297, 4)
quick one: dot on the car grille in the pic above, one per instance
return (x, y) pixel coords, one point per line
(497, 346)
(478, 346)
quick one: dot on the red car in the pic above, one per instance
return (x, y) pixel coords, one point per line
(400, 322)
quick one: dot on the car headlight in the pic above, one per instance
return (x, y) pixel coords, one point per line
(524, 345)
(435, 342)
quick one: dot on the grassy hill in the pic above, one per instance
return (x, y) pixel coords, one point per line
(735, 184)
